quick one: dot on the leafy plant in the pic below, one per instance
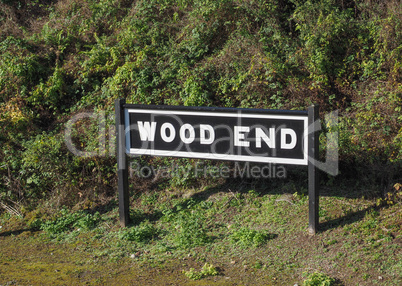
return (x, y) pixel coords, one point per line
(42, 162)
(88, 221)
(191, 230)
(49, 94)
(326, 31)
(142, 233)
(66, 221)
(206, 270)
(246, 237)
(318, 279)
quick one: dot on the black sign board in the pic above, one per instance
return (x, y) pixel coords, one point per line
(250, 135)
(222, 134)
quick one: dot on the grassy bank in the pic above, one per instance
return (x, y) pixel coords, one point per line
(247, 235)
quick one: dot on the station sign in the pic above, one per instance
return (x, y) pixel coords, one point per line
(230, 134)
(220, 134)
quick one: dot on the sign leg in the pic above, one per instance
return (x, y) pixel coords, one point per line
(122, 164)
(313, 175)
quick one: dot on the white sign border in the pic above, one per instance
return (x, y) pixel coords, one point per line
(199, 155)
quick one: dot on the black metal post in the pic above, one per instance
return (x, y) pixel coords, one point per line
(313, 172)
(122, 164)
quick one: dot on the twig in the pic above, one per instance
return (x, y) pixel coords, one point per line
(233, 195)
(11, 210)
(286, 198)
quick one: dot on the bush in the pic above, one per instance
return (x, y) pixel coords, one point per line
(50, 94)
(43, 163)
(326, 32)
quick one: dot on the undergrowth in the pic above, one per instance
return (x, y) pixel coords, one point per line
(60, 59)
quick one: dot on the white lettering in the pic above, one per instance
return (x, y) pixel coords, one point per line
(293, 138)
(172, 132)
(239, 136)
(191, 133)
(147, 130)
(206, 128)
(260, 134)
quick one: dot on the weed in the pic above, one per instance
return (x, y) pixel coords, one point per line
(366, 276)
(206, 270)
(258, 265)
(247, 237)
(88, 221)
(332, 241)
(318, 279)
(66, 221)
(191, 230)
(142, 233)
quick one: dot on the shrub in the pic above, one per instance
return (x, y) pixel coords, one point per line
(325, 31)
(50, 94)
(42, 164)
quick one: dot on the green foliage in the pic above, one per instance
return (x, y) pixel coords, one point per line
(246, 237)
(326, 32)
(183, 173)
(191, 230)
(194, 93)
(142, 233)
(318, 279)
(50, 94)
(206, 270)
(56, 38)
(42, 163)
(20, 68)
(383, 41)
(66, 221)
(88, 221)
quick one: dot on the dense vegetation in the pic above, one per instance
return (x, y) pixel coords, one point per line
(60, 58)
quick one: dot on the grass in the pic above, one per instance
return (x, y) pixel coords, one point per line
(241, 232)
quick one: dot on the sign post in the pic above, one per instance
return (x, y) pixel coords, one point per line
(229, 134)
(313, 175)
(122, 164)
